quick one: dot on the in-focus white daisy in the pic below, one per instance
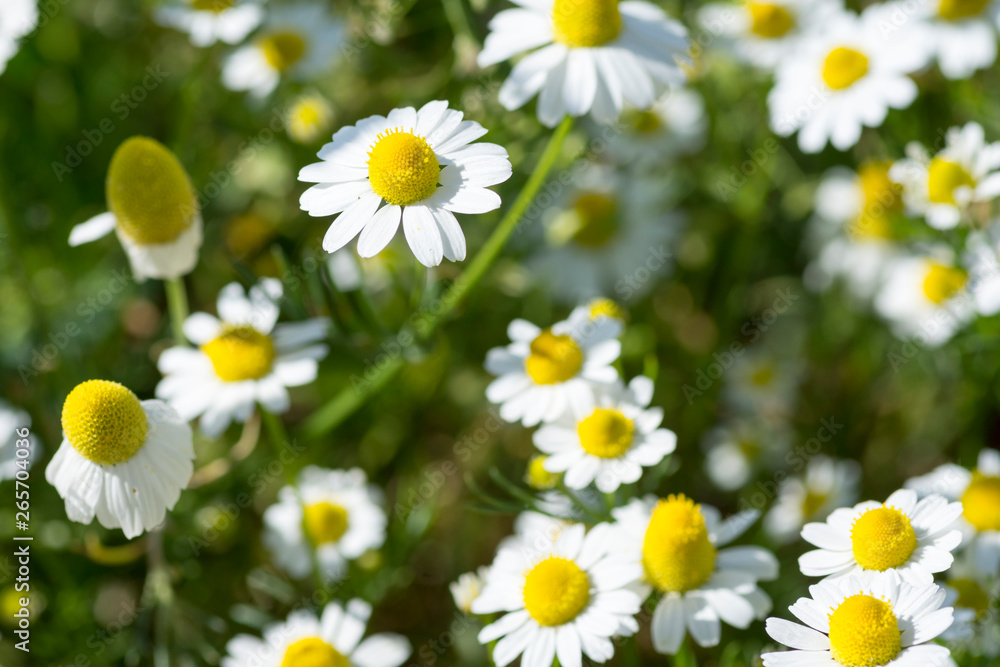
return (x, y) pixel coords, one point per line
(333, 640)
(965, 172)
(763, 384)
(844, 77)
(467, 588)
(736, 449)
(675, 125)
(826, 485)
(979, 492)
(335, 513)
(13, 420)
(543, 373)
(595, 56)
(913, 539)
(17, 19)
(962, 34)
(869, 620)
(564, 601)
(243, 358)
(297, 41)
(154, 211)
(122, 460)
(211, 21)
(421, 164)
(610, 443)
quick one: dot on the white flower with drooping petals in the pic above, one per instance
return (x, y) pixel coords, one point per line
(211, 21)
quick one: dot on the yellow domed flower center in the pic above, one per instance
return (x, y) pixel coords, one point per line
(883, 538)
(597, 219)
(864, 632)
(981, 501)
(104, 422)
(843, 67)
(402, 168)
(605, 308)
(763, 376)
(676, 552)
(538, 477)
(240, 353)
(556, 591)
(956, 10)
(971, 596)
(943, 282)
(583, 23)
(283, 49)
(606, 434)
(313, 652)
(943, 178)
(324, 522)
(149, 192)
(645, 121)
(217, 6)
(881, 201)
(308, 118)
(553, 359)
(770, 21)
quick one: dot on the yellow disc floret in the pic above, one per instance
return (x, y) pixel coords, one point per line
(605, 308)
(313, 652)
(596, 217)
(943, 178)
(538, 477)
(240, 353)
(554, 358)
(402, 168)
(956, 10)
(606, 433)
(583, 23)
(881, 202)
(676, 552)
(282, 49)
(770, 21)
(104, 422)
(883, 538)
(981, 501)
(843, 67)
(324, 522)
(149, 192)
(556, 591)
(309, 117)
(943, 282)
(864, 632)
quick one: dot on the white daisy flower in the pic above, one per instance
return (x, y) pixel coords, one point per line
(154, 211)
(595, 55)
(17, 19)
(965, 172)
(972, 593)
(610, 443)
(870, 620)
(211, 21)
(13, 419)
(243, 358)
(910, 538)
(308, 118)
(826, 485)
(421, 164)
(762, 384)
(564, 601)
(545, 372)
(979, 492)
(335, 513)
(334, 640)
(735, 450)
(962, 34)
(674, 125)
(677, 544)
(846, 76)
(122, 460)
(297, 41)
(467, 588)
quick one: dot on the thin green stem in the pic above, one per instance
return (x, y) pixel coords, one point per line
(177, 304)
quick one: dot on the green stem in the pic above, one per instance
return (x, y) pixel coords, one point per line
(177, 303)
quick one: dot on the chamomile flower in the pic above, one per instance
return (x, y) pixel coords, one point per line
(965, 172)
(122, 460)
(611, 443)
(425, 169)
(297, 41)
(335, 513)
(674, 125)
(211, 21)
(600, 307)
(595, 55)
(677, 545)
(972, 594)
(962, 34)
(736, 449)
(17, 19)
(467, 588)
(844, 77)
(544, 373)
(826, 485)
(563, 601)
(979, 492)
(870, 620)
(762, 384)
(243, 358)
(913, 539)
(154, 211)
(308, 117)
(13, 420)
(333, 640)
(538, 477)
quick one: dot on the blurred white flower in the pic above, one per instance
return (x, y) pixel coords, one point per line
(12, 419)
(962, 34)
(675, 125)
(826, 485)
(763, 384)
(17, 19)
(211, 21)
(467, 588)
(735, 450)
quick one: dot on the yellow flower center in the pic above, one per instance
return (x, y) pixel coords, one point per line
(104, 422)
(843, 67)
(538, 477)
(770, 21)
(402, 168)
(149, 192)
(597, 219)
(605, 308)
(982, 502)
(583, 23)
(943, 282)
(864, 632)
(283, 49)
(313, 652)
(606, 434)
(883, 538)
(324, 522)
(881, 201)
(943, 177)
(217, 6)
(556, 591)
(763, 376)
(553, 359)
(308, 118)
(956, 10)
(813, 502)
(240, 353)
(644, 122)
(676, 552)
(971, 596)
